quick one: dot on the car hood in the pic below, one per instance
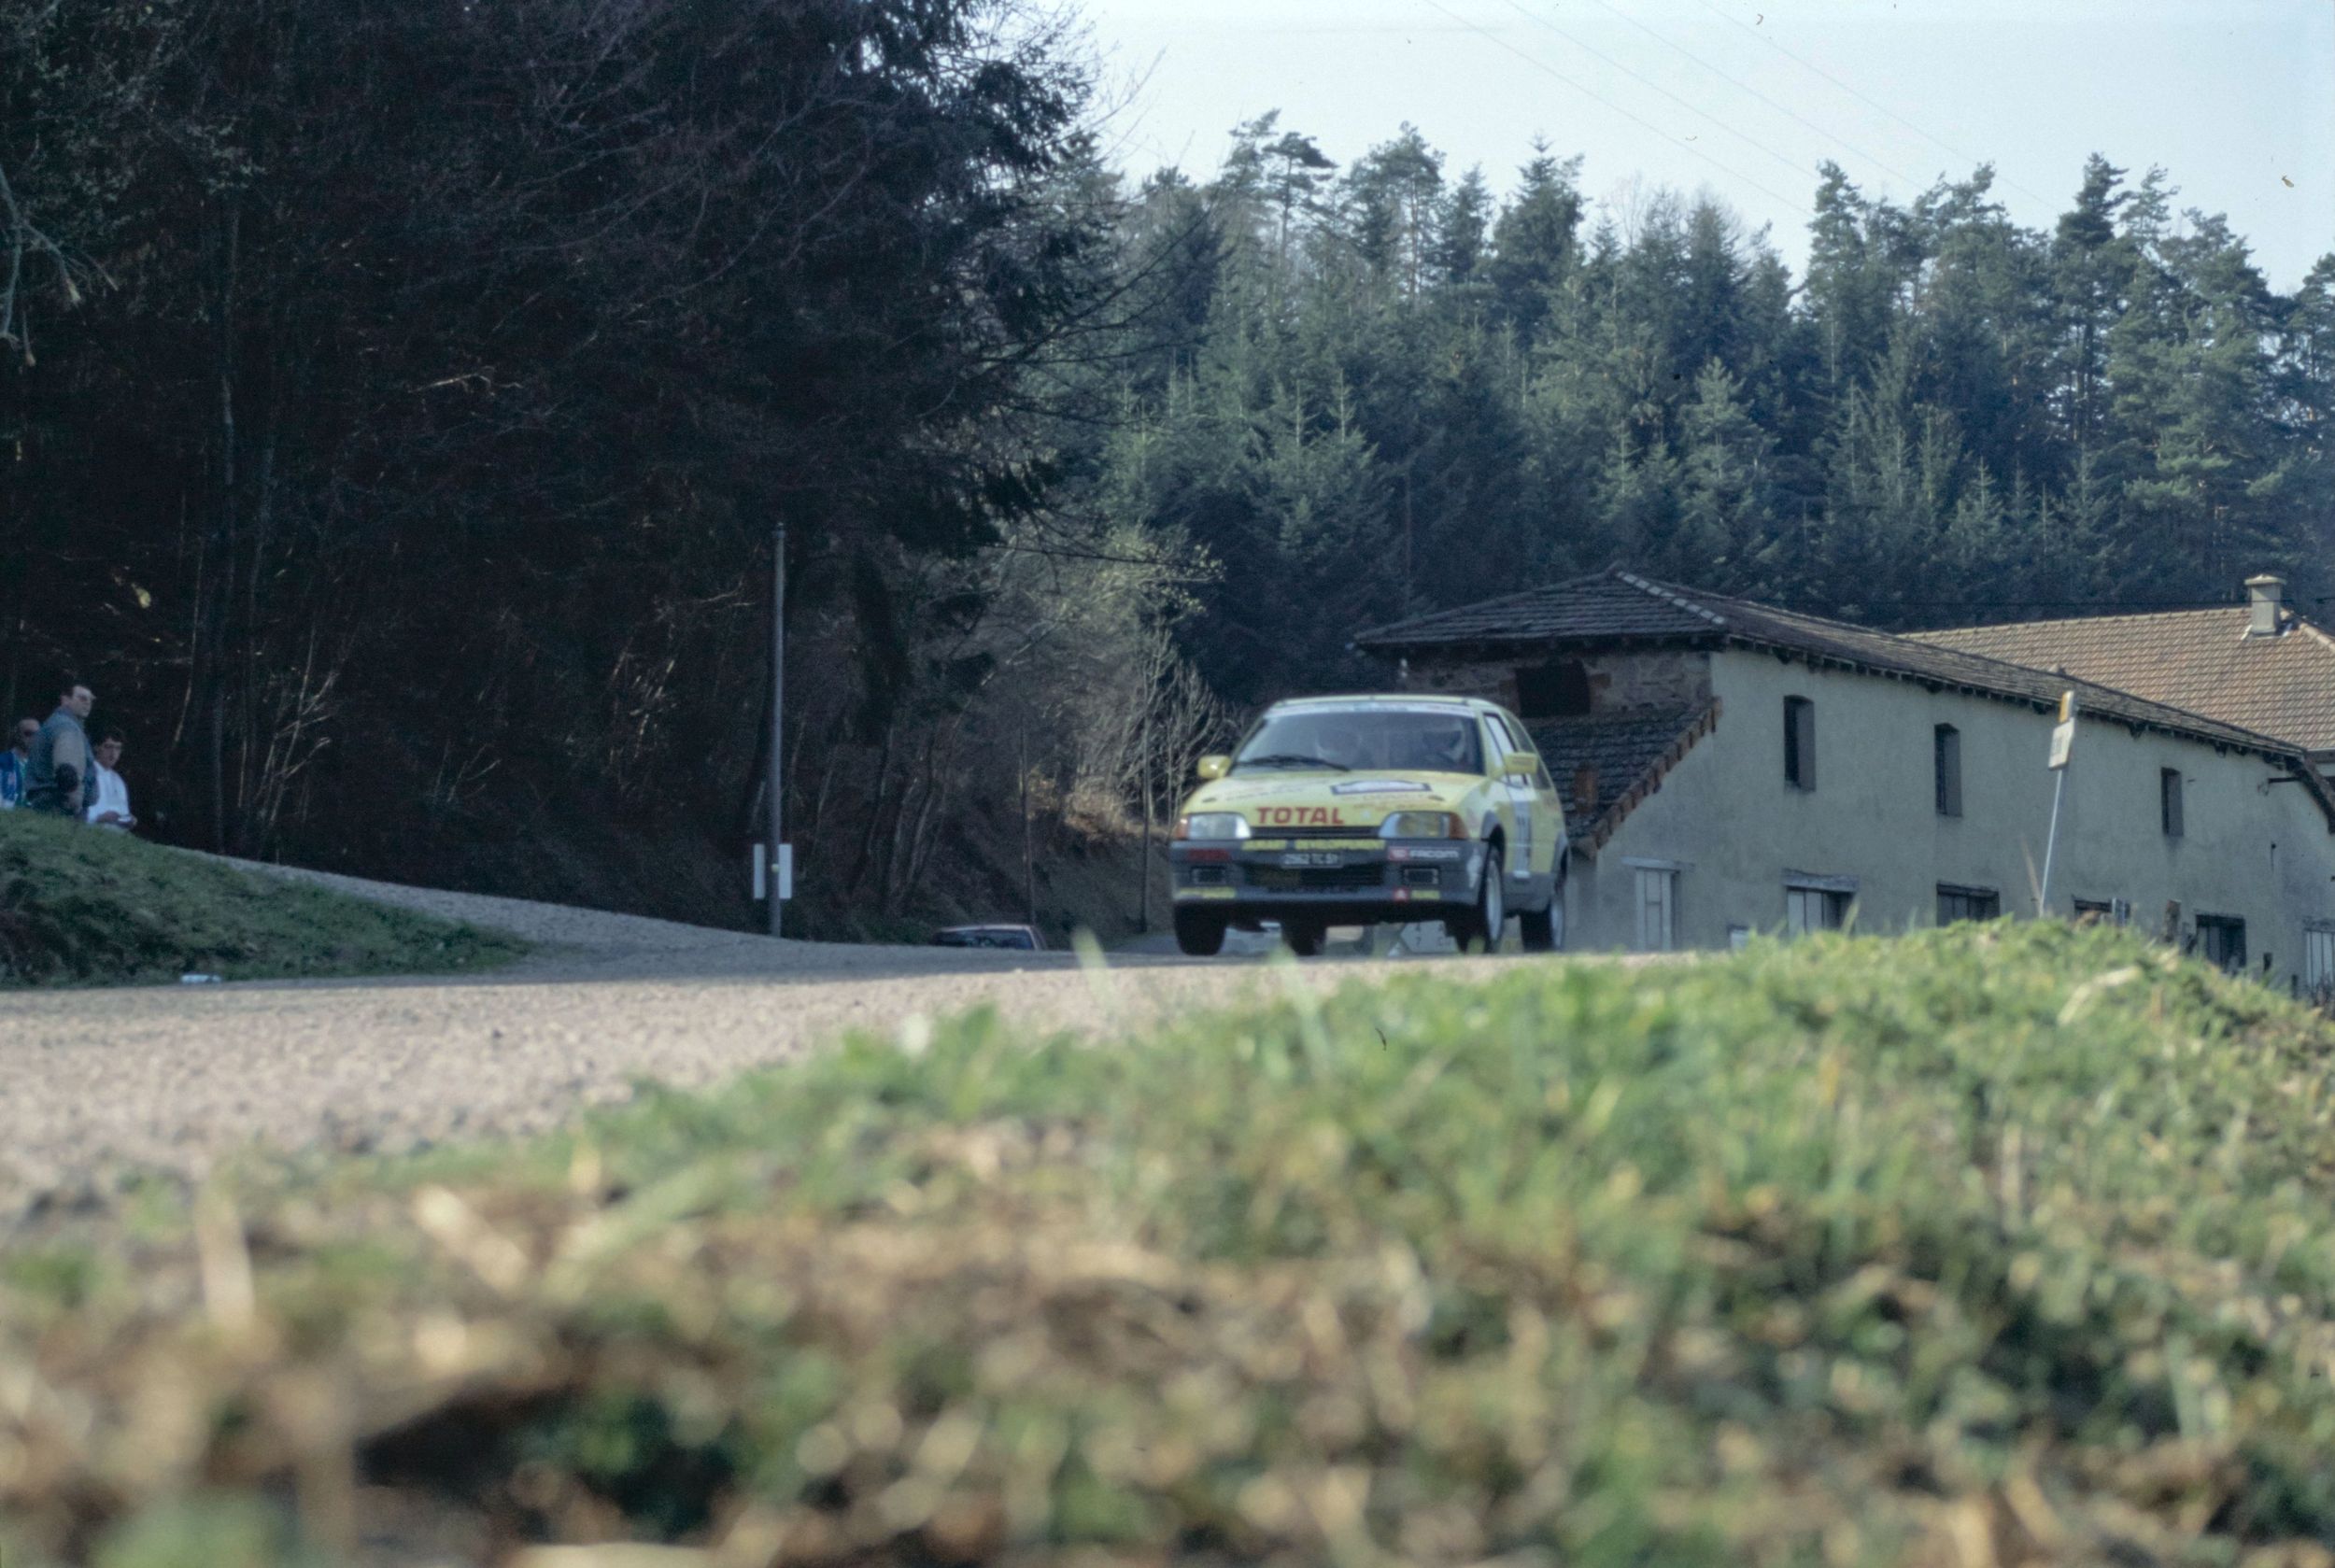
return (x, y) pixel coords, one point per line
(1295, 799)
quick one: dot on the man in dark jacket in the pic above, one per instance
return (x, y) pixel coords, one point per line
(57, 774)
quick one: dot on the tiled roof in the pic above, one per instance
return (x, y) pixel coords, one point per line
(1604, 606)
(1630, 755)
(1618, 608)
(2198, 660)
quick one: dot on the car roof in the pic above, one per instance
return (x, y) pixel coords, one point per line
(1421, 698)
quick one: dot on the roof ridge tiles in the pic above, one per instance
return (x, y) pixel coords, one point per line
(1927, 633)
(1669, 595)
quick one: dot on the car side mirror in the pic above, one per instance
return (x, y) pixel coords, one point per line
(1519, 762)
(1215, 767)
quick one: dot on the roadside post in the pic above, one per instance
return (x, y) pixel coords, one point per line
(781, 859)
(2062, 747)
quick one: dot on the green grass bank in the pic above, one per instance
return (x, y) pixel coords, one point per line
(2002, 1245)
(79, 907)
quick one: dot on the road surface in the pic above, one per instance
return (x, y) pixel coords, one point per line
(96, 1084)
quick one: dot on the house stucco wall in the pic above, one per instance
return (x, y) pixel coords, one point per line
(2253, 848)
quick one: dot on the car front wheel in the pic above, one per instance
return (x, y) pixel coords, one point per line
(1481, 931)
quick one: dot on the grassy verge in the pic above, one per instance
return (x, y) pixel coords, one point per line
(82, 908)
(1990, 1246)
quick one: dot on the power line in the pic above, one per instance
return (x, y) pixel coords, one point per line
(1539, 64)
(1780, 108)
(1790, 162)
(1884, 108)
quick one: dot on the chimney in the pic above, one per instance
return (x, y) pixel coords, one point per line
(2263, 594)
(1585, 790)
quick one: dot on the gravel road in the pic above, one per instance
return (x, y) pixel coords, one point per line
(96, 1084)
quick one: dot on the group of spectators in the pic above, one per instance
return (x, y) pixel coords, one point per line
(52, 767)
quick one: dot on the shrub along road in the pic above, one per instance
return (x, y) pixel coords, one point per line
(98, 1084)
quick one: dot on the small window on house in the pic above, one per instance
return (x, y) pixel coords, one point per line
(1799, 743)
(1814, 909)
(1946, 752)
(1553, 691)
(1967, 903)
(2318, 962)
(2221, 940)
(2168, 800)
(2095, 912)
(1656, 909)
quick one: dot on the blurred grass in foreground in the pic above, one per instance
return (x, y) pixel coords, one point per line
(84, 907)
(1996, 1245)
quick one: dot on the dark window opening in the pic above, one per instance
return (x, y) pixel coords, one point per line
(2168, 800)
(1799, 743)
(2097, 911)
(2221, 940)
(1967, 903)
(1553, 691)
(1946, 748)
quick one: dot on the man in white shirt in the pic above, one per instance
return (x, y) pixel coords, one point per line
(109, 795)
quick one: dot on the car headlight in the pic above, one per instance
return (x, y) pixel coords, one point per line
(1421, 825)
(1213, 824)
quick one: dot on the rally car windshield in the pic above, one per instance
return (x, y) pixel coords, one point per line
(1347, 740)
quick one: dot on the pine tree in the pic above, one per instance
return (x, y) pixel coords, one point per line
(1534, 243)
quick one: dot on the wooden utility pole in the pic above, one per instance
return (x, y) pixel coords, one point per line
(777, 790)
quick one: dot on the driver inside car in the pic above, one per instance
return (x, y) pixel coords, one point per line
(1447, 749)
(1341, 747)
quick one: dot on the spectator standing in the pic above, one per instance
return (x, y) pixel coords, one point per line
(109, 793)
(58, 770)
(12, 763)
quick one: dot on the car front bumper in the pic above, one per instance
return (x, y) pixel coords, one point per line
(1334, 880)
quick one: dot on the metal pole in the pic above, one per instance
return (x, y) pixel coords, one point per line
(2051, 841)
(777, 787)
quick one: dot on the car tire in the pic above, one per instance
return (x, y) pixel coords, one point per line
(1537, 928)
(1303, 938)
(1481, 930)
(1199, 933)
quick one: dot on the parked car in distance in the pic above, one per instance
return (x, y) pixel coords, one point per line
(1024, 938)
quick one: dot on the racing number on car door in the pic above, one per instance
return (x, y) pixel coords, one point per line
(1520, 793)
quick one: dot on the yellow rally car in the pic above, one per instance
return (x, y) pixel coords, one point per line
(1343, 811)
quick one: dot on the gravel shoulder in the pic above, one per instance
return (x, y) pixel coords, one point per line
(95, 1084)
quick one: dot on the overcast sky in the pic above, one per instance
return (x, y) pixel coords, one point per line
(1743, 98)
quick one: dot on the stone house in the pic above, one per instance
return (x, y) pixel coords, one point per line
(1733, 768)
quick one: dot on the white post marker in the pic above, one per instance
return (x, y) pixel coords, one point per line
(761, 866)
(2063, 748)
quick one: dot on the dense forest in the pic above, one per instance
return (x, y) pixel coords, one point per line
(1402, 392)
(397, 402)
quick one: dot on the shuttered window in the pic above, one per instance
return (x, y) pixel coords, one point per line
(2168, 800)
(1799, 743)
(2318, 960)
(1947, 755)
(1967, 903)
(1656, 909)
(1814, 909)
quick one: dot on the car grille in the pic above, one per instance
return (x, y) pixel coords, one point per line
(1317, 879)
(1314, 832)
